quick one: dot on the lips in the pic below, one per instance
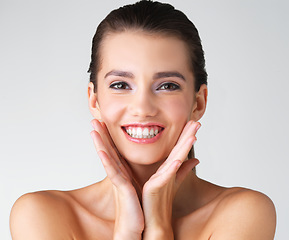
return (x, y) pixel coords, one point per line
(143, 133)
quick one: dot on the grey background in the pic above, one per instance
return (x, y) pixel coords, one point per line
(45, 122)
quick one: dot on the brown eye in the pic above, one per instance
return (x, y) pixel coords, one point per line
(119, 85)
(168, 87)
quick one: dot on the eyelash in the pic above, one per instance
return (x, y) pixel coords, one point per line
(167, 86)
(119, 85)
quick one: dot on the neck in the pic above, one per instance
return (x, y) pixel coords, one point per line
(187, 197)
(142, 173)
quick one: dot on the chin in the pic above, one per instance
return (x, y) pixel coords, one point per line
(144, 159)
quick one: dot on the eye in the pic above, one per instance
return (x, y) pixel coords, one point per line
(119, 85)
(168, 86)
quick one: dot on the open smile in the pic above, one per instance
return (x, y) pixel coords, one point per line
(139, 133)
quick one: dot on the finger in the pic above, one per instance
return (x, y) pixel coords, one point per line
(178, 153)
(185, 129)
(159, 180)
(110, 139)
(98, 142)
(100, 127)
(112, 170)
(187, 134)
(189, 130)
(184, 144)
(184, 169)
(122, 163)
(100, 146)
(103, 141)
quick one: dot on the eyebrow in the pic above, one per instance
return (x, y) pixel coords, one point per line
(158, 75)
(119, 74)
(168, 74)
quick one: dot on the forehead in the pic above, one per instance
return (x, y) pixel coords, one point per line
(139, 50)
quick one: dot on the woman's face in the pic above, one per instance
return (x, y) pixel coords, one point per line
(145, 93)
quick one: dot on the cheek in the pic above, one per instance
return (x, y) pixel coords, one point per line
(178, 113)
(179, 109)
(110, 109)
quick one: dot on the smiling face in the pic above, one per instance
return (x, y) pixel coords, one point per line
(145, 93)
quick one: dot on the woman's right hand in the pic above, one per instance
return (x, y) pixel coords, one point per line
(129, 219)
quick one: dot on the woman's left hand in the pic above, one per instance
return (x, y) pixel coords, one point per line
(159, 191)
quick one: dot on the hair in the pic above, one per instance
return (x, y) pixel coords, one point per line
(155, 18)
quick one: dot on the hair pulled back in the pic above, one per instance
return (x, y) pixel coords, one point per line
(151, 17)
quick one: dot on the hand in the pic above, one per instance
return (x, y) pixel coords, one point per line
(129, 221)
(159, 191)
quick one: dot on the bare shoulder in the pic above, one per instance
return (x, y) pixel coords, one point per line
(244, 214)
(41, 215)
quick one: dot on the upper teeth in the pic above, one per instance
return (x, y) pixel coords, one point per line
(138, 132)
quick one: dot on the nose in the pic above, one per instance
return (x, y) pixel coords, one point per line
(143, 104)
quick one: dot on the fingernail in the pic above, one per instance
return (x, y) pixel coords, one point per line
(93, 124)
(179, 164)
(194, 141)
(198, 126)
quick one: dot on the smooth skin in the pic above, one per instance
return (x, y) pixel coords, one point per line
(150, 191)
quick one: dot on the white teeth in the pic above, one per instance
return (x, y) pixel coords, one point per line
(145, 133)
(142, 132)
(138, 133)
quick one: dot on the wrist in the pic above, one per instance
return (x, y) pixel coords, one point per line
(158, 233)
(126, 236)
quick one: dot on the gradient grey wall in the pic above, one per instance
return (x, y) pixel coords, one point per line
(45, 122)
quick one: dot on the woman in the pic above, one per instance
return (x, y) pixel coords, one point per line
(147, 92)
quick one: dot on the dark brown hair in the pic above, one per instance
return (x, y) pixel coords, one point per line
(151, 17)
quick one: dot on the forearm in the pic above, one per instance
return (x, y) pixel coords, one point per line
(123, 229)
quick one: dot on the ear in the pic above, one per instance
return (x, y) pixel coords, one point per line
(93, 102)
(200, 103)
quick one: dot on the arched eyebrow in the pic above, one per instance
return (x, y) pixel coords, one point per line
(158, 75)
(168, 74)
(119, 73)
